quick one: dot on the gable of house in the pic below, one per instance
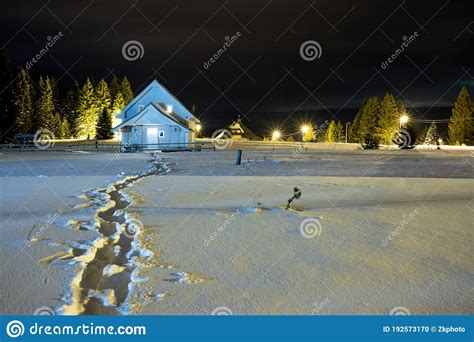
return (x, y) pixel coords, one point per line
(155, 93)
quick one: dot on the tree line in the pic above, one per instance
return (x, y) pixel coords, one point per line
(84, 111)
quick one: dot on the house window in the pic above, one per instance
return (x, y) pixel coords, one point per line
(162, 134)
(140, 108)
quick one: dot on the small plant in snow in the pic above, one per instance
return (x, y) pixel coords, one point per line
(296, 195)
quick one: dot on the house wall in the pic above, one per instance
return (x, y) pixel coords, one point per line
(173, 136)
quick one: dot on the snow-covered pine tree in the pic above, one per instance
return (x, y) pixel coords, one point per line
(431, 135)
(23, 97)
(460, 126)
(102, 96)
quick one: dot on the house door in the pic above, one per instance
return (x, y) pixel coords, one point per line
(152, 137)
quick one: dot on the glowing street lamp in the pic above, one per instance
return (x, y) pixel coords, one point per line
(276, 135)
(198, 128)
(403, 120)
(304, 129)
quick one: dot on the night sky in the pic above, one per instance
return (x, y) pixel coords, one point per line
(262, 72)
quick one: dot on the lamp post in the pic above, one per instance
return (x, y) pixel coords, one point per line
(347, 129)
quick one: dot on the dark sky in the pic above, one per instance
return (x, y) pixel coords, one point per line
(263, 70)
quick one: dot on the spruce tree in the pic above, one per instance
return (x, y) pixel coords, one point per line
(389, 119)
(70, 108)
(365, 122)
(104, 125)
(65, 130)
(115, 87)
(7, 113)
(340, 136)
(56, 126)
(23, 97)
(45, 106)
(431, 135)
(331, 133)
(102, 96)
(460, 124)
(87, 115)
(126, 91)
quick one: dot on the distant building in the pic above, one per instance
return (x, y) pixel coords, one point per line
(155, 117)
(240, 131)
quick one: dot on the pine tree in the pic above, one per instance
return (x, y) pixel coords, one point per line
(431, 135)
(118, 104)
(104, 125)
(331, 133)
(23, 96)
(354, 129)
(389, 119)
(87, 115)
(460, 124)
(56, 126)
(70, 108)
(102, 96)
(340, 137)
(45, 107)
(7, 113)
(115, 87)
(65, 130)
(365, 122)
(126, 91)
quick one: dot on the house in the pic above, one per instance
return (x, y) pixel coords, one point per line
(155, 117)
(240, 131)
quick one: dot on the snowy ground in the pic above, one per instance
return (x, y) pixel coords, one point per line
(372, 231)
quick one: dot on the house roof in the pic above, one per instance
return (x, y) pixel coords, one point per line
(131, 121)
(246, 132)
(152, 84)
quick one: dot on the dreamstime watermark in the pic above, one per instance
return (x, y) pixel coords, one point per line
(407, 218)
(51, 41)
(222, 311)
(402, 138)
(44, 311)
(43, 139)
(228, 42)
(311, 227)
(228, 220)
(133, 50)
(222, 139)
(310, 50)
(52, 219)
(400, 311)
(320, 306)
(407, 41)
(132, 227)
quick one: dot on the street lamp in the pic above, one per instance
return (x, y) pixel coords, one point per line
(276, 135)
(304, 129)
(403, 120)
(198, 128)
